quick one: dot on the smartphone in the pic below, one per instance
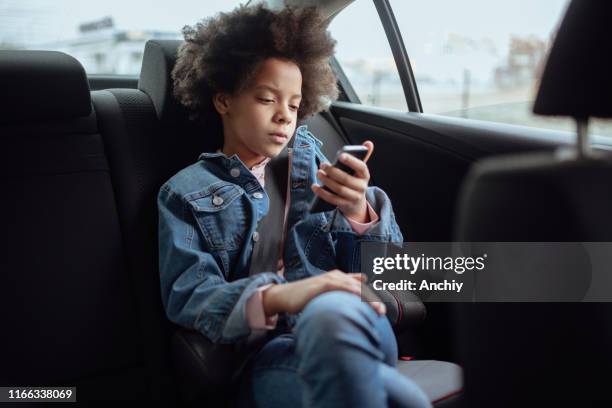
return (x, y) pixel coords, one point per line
(358, 151)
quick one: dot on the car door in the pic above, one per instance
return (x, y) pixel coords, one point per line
(481, 109)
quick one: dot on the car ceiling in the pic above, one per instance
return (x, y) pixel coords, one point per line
(329, 8)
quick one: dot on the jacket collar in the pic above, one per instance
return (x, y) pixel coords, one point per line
(301, 134)
(258, 170)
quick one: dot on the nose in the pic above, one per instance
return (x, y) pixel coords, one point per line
(283, 115)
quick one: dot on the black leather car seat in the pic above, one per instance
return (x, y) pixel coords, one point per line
(69, 316)
(546, 353)
(80, 282)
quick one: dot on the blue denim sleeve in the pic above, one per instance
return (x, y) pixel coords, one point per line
(195, 293)
(386, 229)
(347, 241)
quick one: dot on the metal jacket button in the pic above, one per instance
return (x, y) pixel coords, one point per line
(258, 194)
(217, 200)
(235, 172)
(256, 236)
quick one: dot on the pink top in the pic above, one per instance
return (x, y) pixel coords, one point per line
(254, 307)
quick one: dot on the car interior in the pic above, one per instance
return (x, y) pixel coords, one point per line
(84, 159)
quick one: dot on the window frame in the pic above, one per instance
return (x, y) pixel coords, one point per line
(400, 55)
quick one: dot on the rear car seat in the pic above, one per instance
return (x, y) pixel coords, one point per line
(156, 150)
(69, 316)
(86, 308)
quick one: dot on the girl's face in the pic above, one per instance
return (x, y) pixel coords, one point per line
(259, 121)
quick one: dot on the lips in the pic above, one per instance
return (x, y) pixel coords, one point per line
(279, 134)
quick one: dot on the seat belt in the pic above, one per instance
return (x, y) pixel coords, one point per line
(266, 250)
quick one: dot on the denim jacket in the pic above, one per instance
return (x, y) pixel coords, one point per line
(208, 213)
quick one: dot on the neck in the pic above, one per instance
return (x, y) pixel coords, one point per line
(249, 159)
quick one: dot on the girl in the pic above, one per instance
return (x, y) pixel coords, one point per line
(253, 75)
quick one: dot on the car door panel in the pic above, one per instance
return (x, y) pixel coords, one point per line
(420, 178)
(420, 160)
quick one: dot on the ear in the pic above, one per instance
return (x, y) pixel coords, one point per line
(222, 102)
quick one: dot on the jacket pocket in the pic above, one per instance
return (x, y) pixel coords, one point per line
(220, 214)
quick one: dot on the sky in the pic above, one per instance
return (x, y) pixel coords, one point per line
(420, 21)
(42, 21)
(426, 26)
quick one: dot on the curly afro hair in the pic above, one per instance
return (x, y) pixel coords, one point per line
(222, 53)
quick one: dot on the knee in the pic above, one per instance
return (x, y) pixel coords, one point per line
(329, 309)
(334, 317)
(335, 312)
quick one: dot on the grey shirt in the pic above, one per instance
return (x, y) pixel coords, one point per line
(266, 250)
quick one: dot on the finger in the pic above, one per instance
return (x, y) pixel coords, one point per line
(343, 286)
(352, 278)
(329, 197)
(360, 280)
(343, 280)
(341, 177)
(341, 190)
(350, 285)
(357, 182)
(360, 276)
(361, 169)
(355, 287)
(370, 147)
(379, 307)
(337, 275)
(375, 307)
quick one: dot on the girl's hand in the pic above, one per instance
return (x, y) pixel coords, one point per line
(292, 297)
(349, 190)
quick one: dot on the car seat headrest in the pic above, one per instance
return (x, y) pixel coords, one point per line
(39, 86)
(157, 64)
(576, 81)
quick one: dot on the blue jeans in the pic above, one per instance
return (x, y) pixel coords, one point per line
(340, 354)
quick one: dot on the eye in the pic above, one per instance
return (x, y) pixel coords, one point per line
(266, 100)
(293, 107)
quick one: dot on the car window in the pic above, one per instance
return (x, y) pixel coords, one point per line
(364, 55)
(108, 36)
(482, 59)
